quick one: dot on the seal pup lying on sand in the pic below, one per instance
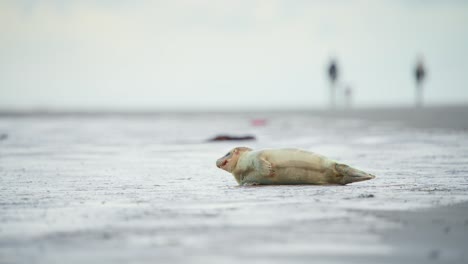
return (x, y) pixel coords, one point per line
(287, 166)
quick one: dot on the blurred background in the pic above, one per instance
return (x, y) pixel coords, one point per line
(229, 55)
(107, 153)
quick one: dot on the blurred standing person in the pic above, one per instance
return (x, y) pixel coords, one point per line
(333, 75)
(348, 92)
(419, 74)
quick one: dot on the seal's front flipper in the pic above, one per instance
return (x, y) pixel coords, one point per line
(266, 168)
(351, 174)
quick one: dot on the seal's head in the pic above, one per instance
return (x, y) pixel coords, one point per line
(229, 161)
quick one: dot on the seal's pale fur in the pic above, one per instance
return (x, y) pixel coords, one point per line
(287, 166)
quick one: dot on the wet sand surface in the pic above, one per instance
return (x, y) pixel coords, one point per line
(145, 189)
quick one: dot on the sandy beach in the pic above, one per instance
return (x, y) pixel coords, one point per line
(144, 188)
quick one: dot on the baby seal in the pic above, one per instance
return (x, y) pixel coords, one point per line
(287, 166)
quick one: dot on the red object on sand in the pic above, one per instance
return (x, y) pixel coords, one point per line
(258, 122)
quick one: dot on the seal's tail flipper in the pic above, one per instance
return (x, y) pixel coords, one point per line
(351, 174)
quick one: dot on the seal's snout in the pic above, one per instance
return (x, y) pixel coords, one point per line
(221, 162)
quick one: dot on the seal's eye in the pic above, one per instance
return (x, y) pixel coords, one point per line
(227, 154)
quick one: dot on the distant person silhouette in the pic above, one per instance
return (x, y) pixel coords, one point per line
(419, 74)
(333, 75)
(348, 92)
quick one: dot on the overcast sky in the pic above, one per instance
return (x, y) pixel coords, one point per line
(219, 54)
